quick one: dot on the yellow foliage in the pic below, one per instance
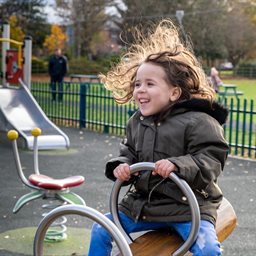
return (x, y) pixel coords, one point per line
(57, 39)
(16, 32)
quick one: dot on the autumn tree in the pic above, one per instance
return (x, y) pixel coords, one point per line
(57, 38)
(30, 17)
(15, 30)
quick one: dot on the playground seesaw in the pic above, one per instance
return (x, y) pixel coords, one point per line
(151, 243)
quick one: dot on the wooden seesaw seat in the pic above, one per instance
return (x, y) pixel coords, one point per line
(163, 243)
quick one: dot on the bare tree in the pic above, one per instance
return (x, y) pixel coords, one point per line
(86, 17)
(144, 13)
(240, 38)
(219, 29)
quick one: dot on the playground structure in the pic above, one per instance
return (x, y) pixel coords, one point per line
(150, 243)
(161, 243)
(45, 187)
(164, 242)
(18, 108)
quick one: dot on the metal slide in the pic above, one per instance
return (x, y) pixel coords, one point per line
(20, 111)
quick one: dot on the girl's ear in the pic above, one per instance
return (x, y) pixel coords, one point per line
(175, 93)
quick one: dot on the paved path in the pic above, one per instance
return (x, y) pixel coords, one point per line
(87, 156)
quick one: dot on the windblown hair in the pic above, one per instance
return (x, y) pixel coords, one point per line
(162, 47)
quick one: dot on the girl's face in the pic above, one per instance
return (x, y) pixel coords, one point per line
(152, 92)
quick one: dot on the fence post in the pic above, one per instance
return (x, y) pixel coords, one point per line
(82, 117)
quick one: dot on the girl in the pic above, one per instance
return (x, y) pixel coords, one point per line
(177, 126)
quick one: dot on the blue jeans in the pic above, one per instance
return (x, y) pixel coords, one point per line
(206, 244)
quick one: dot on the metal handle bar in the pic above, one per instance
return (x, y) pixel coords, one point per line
(85, 212)
(13, 136)
(184, 187)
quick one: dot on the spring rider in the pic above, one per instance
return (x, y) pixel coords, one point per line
(46, 188)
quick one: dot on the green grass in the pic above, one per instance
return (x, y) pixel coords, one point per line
(103, 114)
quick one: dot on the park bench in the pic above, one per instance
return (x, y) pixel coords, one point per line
(81, 78)
(89, 79)
(229, 90)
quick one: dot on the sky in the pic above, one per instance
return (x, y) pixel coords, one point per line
(53, 18)
(51, 14)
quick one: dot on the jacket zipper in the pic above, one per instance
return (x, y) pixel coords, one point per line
(203, 193)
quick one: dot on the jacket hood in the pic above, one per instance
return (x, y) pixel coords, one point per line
(216, 110)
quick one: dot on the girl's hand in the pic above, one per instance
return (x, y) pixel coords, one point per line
(164, 168)
(122, 172)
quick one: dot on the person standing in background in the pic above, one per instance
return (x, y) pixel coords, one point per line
(215, 79)
(57, 69)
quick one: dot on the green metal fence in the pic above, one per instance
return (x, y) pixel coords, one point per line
(90, 106)
(86, 105)
(240, 130)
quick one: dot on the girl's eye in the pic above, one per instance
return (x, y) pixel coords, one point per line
(137, 85)
(150, 84)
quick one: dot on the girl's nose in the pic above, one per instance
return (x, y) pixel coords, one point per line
(142, 88)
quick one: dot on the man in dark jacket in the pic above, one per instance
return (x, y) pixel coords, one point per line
(57, 69)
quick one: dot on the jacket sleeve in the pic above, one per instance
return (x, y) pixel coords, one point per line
(206, 153)
(127, 154)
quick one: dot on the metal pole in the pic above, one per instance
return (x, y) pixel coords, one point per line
(5, 47)
(27, 59)
(83, 211)
(82, 117)
(184, 187)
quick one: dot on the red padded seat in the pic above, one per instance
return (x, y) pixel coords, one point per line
(47, 182)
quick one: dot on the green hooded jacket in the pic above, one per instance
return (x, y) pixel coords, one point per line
(191, 137)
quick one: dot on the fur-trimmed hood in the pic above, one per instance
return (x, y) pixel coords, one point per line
(216, 110)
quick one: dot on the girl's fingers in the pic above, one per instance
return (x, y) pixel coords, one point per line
(122, 172)
(164, 168)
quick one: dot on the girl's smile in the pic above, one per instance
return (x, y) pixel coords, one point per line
(152, 92)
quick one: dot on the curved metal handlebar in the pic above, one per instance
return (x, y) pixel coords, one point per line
(13, 136)
(184, 187)
(85, 212)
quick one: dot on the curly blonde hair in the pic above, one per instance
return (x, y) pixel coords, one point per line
(162, 47)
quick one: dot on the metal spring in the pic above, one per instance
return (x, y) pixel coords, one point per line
(57, 230)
